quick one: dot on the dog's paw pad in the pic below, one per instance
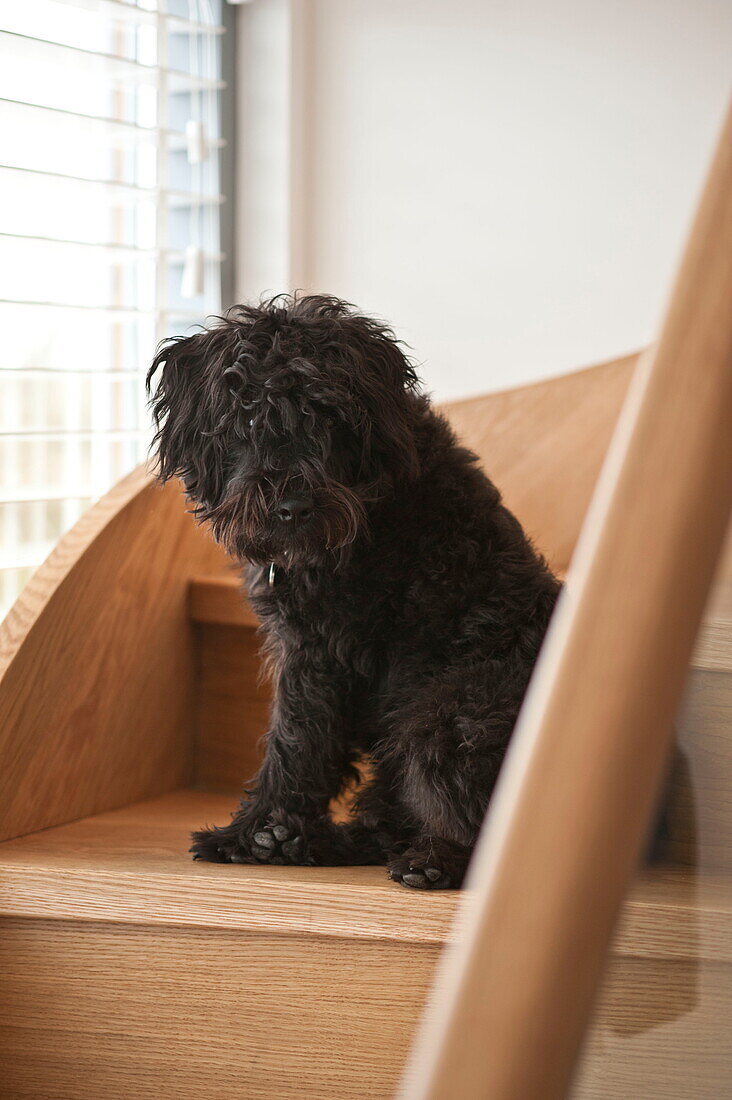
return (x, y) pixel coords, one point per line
(293, 849)
(416, 880)
(425, 878)
(420, 871)
(265, 839)
(262, 855)
(274, 844)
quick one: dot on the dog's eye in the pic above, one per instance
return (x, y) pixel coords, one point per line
(329, 421)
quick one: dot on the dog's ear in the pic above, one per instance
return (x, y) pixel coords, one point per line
(387, 381)
(190, 409)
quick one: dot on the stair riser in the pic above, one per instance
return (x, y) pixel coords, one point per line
(661, 1032)
(232, 707)
(700, 800)
(95, 1009)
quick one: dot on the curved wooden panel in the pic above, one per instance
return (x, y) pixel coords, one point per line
(543, 446)
(96, 662)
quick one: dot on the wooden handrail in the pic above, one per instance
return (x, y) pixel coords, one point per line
(573, 806)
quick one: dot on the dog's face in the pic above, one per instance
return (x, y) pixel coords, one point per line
(287, 422)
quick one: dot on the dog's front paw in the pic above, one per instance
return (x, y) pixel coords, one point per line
(242, 842)
(279, 844)
(431, 864)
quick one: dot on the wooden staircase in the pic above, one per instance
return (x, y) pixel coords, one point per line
(130, 710)
(128, 972)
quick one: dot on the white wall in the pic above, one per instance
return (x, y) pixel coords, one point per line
(508, 183)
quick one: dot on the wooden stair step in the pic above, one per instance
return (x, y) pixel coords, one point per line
(131, 866)
(220, 600)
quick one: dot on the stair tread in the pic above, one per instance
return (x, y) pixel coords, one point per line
(131, 865)
(219, 600)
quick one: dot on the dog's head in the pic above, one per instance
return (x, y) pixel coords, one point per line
(286, 422)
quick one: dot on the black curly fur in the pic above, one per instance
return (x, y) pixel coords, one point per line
(407, 609)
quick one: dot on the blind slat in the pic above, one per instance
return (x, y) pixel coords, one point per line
(108, 65)
(72, 373)
(75, 434)
(171, 311)
(133, 190)
(119, 10)
(48, 496)
(135, 252)
(119, 131)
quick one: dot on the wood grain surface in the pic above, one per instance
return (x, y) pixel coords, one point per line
(220, 600)
(543, 446)
(661, 1032)
(101, 1009)
(96, 662)
(131, 865)
(232, 706)
(699, 813)
(92, 1011)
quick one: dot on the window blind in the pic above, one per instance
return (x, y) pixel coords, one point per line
(110, 180)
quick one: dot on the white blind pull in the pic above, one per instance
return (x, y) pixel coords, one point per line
(192, 280)
(196, 141)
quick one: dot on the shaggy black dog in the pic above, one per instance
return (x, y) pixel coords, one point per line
(402, 605)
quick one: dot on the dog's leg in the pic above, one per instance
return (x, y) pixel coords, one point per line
(451, 737)
(380, 825)
(283, 817)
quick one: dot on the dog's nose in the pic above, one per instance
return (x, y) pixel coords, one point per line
(294, 510)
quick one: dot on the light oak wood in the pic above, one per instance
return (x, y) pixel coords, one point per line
(179, 979)
(99, 1009)
(572, 807)
(96, 1010)
(232, 706)
(132, 865)
(661, 1033)
(96, 662)
(543, 445)
(220, 600)
(699, 814)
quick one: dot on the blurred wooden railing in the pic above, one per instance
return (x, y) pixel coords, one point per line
(575, 800)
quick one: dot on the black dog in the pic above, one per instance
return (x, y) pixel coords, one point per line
(402, 605)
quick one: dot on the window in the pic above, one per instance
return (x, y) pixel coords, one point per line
(110, 180)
